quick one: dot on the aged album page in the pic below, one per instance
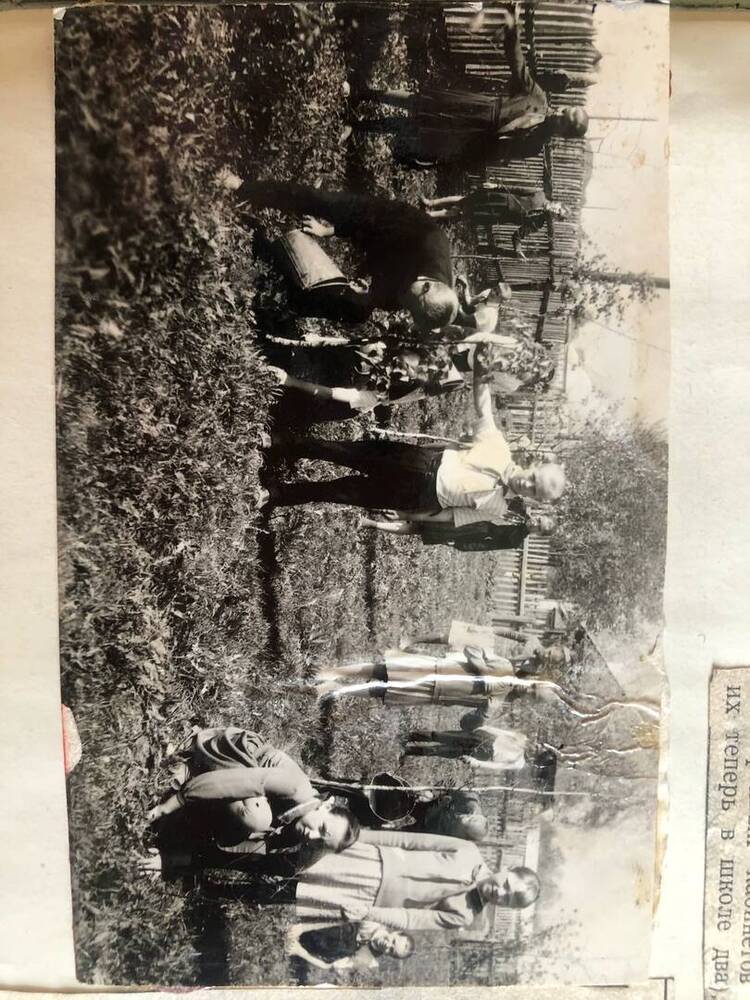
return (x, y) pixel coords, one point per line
(707, 604)
(300, 747)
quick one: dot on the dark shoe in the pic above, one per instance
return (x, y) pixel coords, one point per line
(273, 493)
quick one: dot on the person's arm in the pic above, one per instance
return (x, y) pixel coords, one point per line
(521, 80)
(475, 660)
(498, 339)
(411, 842)
(363, 958)
(483, 406)
(366, 930)
(557, 81)
(243, 782)
(465, 298)
(464, 320)
(361, 400)
(403, 918)
(423, 516)
(533, 222)
(317, 227)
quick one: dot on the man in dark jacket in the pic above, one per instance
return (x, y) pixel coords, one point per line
(468, 128)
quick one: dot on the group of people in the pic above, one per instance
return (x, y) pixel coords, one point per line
(470, 496)
(240, 803)
(407, 254)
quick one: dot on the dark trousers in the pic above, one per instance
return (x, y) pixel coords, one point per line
(393, 474)
(254, 878)
(279, 892)
(435, 744)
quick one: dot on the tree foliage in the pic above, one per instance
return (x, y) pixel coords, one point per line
(611, 545)
(595, 289)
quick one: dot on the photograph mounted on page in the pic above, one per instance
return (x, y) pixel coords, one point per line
(362, 351)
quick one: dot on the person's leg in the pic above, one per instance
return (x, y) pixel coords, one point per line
(381, 126)
(459, 742)
(423, 750)
(362, 456)
(421, 736)
(395, 98)
(394, 474)
(181, 837)
(391, 527)
(373, 689)
(352, 215)
(353, 491)
(430, 639)
(280, 892)
(381, 459)
(300, 199)
(437, 744)
(363, 671)
(251, 861)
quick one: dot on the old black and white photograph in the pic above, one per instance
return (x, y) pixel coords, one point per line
(362, 362)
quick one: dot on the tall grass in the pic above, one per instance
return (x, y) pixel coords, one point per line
(180, 604)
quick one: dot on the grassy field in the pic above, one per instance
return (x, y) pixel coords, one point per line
(180, 604)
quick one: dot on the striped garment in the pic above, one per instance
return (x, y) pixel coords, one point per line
(350, 878)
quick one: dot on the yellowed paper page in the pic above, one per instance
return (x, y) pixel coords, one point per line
(707, 590)
(35, 919)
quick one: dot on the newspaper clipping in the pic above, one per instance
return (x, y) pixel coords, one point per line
(727, 897)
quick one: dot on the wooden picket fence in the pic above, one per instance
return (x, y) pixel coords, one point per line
(558, 38)
(520, 585)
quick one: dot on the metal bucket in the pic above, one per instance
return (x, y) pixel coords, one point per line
(305, 263)
(393, 804)
(317, 284)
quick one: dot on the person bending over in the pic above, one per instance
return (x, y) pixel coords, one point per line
(407, 255)
(232, 787)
